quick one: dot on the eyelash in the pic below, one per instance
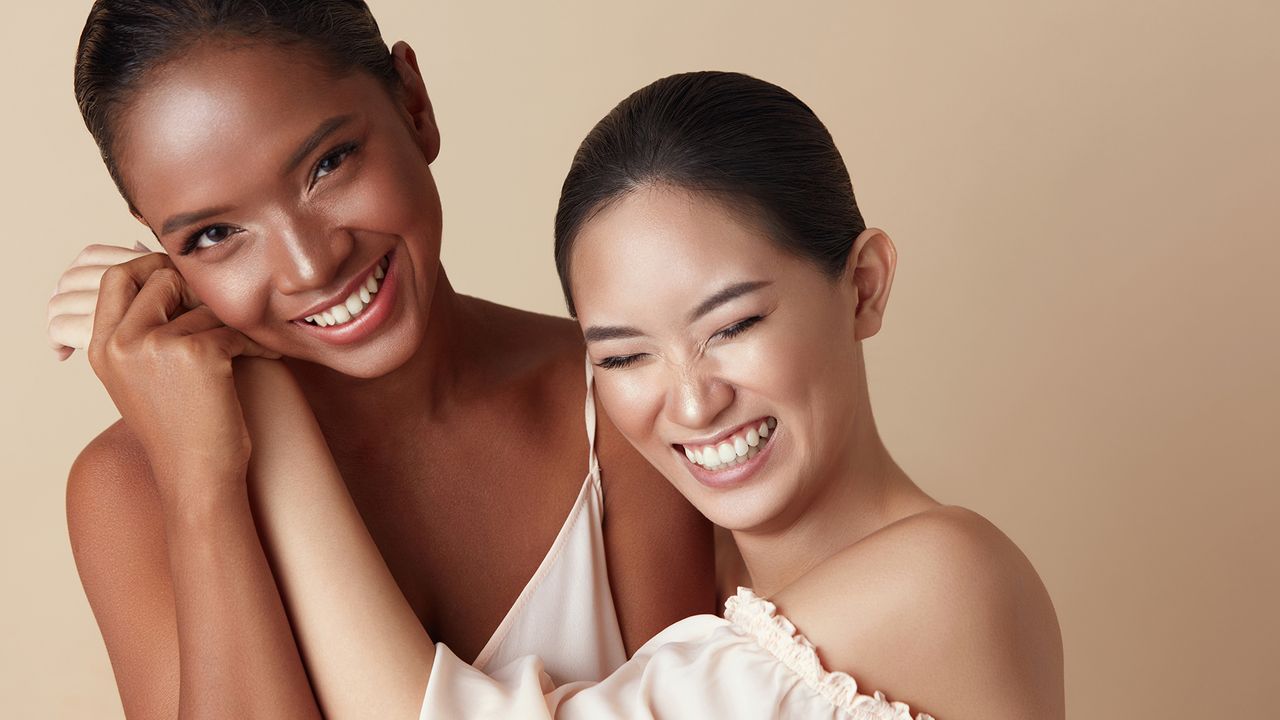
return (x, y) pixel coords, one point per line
(617, 362)
(339, 154)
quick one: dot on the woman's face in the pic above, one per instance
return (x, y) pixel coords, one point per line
(284, 195)
(732, 365)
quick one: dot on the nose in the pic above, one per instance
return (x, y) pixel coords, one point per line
(697, 397)
(306, 255)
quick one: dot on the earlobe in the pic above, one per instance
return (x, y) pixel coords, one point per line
(414, 100)
(871, 266)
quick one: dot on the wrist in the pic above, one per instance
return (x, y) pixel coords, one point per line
(196, 498)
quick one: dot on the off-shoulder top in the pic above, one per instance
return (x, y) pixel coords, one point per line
(752, 663)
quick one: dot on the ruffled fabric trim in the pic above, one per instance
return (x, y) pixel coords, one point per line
(759, 618)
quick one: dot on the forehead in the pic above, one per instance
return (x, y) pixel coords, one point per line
(661, 246)
(226, 109)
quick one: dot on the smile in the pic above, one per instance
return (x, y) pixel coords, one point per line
(734, 450)
(356, 302)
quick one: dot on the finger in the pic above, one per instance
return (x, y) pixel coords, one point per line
(156, 303)
(195, 321)
(80, 302)
(202, 321)
(83, 277)
(107, 255)
(120, 285)
(89, 277)
(70, 331)
(236, 344)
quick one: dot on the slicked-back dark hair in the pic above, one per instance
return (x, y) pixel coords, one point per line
(732, 137)
(124, 39)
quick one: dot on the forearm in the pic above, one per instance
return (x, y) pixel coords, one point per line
(366, 651)
(237, 655)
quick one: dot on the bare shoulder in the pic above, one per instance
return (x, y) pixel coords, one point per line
(940, 610)
(117, 538)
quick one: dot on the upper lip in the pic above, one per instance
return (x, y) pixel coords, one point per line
(714, 439)
(341, 295)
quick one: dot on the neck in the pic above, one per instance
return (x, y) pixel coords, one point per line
(362, 409)
(865, 492)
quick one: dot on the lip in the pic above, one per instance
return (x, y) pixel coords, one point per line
(715, 439)
(369, 320)
(736, 475)
(339, 297)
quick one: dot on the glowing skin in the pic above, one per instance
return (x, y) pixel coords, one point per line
(284, 240)
(689, 382)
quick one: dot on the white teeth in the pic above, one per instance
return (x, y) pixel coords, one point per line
(734, 450)
(355, 303)
(710, 457)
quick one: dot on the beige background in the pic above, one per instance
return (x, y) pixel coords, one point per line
(1082, 342)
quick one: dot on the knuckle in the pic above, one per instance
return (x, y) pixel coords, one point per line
(115, 275)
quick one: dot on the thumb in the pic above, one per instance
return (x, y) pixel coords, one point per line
(236, 344)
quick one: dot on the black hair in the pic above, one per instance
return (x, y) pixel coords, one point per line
(125, 39)
(732, 137)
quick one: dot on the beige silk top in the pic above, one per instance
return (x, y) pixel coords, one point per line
(565, 613)
(749, 664)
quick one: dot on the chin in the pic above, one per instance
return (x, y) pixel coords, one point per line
(742, 509)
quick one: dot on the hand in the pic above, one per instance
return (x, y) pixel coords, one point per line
(168, 370)
(76, 294)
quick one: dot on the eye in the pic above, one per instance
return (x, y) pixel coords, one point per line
(332, 161)
(739, 327)
(617, 362)
(207, 237)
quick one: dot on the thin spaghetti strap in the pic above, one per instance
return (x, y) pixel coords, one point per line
(594, 464)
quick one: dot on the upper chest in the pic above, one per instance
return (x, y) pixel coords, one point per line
(464, 510)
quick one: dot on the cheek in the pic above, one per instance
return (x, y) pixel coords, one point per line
(238, 297)
(632, 400)
(395, 195)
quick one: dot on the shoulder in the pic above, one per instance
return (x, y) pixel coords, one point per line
(117, 539)
(111, 470)
(940, 610)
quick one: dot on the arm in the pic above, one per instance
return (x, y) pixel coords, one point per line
(366, 651)
(659, 548)
(207, 594)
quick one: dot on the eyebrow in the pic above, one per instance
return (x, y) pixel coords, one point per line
(596, 333)
(313, 141)
(177, 222)
(324, 130)
(732, 292)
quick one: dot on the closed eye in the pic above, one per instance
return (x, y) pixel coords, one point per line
(739, 327)
(617, 362)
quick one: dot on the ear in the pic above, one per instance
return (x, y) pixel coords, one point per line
(414, 101)
(869, 270)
